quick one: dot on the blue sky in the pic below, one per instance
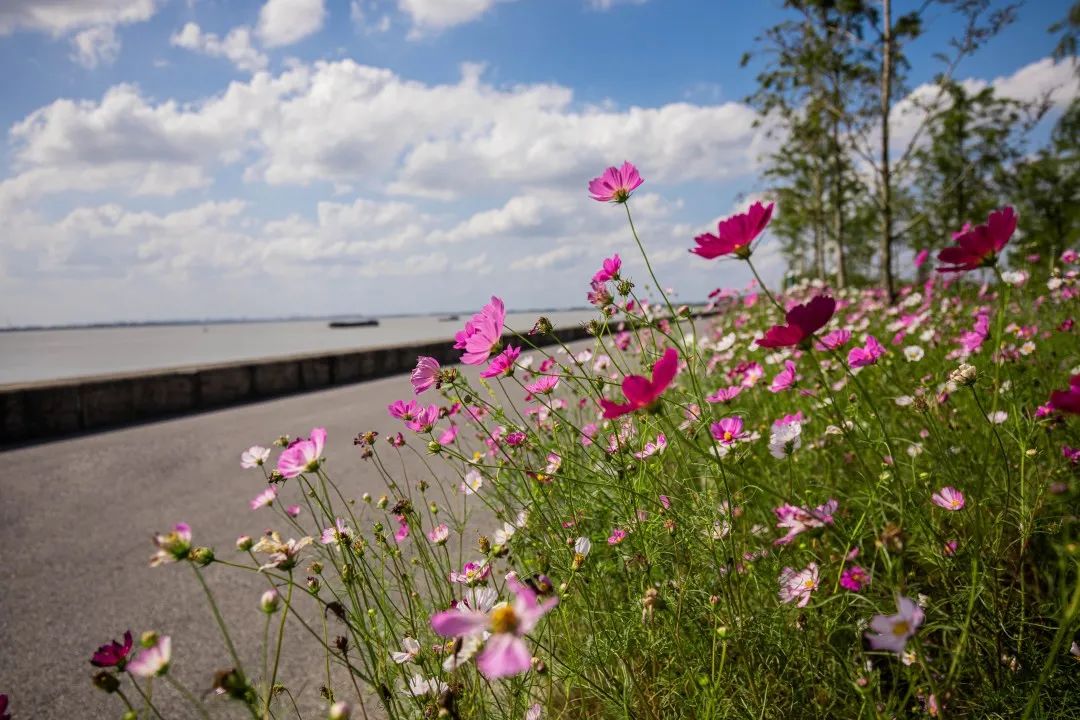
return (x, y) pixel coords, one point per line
(204, 158)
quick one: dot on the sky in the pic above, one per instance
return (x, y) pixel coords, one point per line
(193, 159)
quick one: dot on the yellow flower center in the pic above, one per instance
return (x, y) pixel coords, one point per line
(503, 619)
(728, 436)
(899, 629)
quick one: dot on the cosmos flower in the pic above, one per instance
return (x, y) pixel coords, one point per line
(797, 585)
(172, 547)
(336, 533)
(410, 648)
(505, 652)
(785, 379)
(616, 184)
(866, 355)
(724, 395)
(979, 246)
(834, 340)
(254, 456)
(543, 385)
(439, 534)
(113, 654)
(854, 578)
(642, 392)
(729, 430)
(424, 420)
(734, 234)
(609, 270)
(266, 497)
(503, 364)
(482, 334)
(785, 439)
(1067, 400)
(799, 519)
(891, 632)
(802, 322)
(949, 498)
(426, 374)
(303, 455)
(617, 536)
(153, 660)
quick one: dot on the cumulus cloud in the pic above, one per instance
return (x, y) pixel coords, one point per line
(59, 17)
(284, 22)
(95, 46)
(441, 14)
(236, 46)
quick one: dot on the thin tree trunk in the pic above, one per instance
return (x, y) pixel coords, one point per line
(838, 205)
(886, 241)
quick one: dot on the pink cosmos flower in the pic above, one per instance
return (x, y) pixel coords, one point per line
(293, 511)
(337, 533)
(802, 322)
(403, 529)
(617, 536)
(734, 234)
(543, 385)
(1071, 454)
(785, 379)
(153, 660)
(448, 435)
(424, 420)
(642, 392)
(979, 246)
(921, 257)
(891, 632)
(439, 534)
(404, 409)
(471, 573)
(266, 497)
(867, 355)
(303, 456)
(503, 364)
(113, 654)
(425, 375)
(797, 585)
(609, 270)
(949, 498)
(834, 340)
(482, 334)
(505, 652)
(724, 395)
(729, 430)
(854, 578)
(616, 184)
(799, 519)
(651, 448)
(172, 547)
(1067, 400)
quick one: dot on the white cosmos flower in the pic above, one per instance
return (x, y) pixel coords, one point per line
(254, 456)
(582, 546)
(410, 649)
(472, 483)
(913, 353)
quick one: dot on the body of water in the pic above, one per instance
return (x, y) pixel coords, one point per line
(36, 355)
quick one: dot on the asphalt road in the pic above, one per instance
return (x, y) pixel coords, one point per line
(76, 521)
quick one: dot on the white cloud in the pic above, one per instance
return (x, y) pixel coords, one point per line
(284, 22)
(95, 46)
(608, 4)
(236, 46)
(60, 17)
(441, 14)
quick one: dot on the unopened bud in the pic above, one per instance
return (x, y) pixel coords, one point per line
(282, 441)
(202, 556)
(434, 448)
(106, 682)
(339, 711)
(269, 602)
(148, 639)
(366, 497)
(244, 543)
(383, 501)
(538, 665)
(313, 584)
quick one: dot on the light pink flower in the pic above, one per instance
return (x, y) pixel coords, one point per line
(505, 652)
(651, 448)
(616, 184)
(482, 334)
(724, 395)
(543, 385)
(153, 660)
(439, 534)
(617, 536)
(339, 532)
(303, 455)
(471, 573)
(785, 379)
(503, 364)
(834, 340)
(642, 392)
(424, 420)
(172, 547)
(949, 498)
(891, 632)
(797, 585)
(448, 435)
(254, 456)
(799, 519)
(266, 497)
(402, 530)
(425, 375)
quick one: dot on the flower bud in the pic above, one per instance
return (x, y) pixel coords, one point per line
(269, 602)
(148, 639)
(433, 447)
(317, 567)
(202, 556)
(366, 497)
(339, 711)
(383, 501)
(313, 584)
(282, 441)
(276, 476)
(106, 682)
(244, 543)
(129, 715)
(624, 287)
(484, 544)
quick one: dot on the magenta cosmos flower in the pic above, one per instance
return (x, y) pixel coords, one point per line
(979, 246)
(302, 455)
(425, 375)
(854, 578)
(503, 364)
(866, 355)
(616, 184)
(1067, 400)
(642, 392)
(802, 322)
(734, 234)
(949, 498)
(891, 632)
(729, 430)
(483, 334)
(505, 652)
(113, 654)
(609, 270)
(785, 379)
(834, 340)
